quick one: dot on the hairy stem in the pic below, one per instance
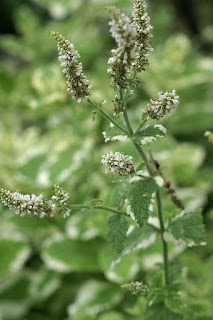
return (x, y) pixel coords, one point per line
(87, 206)
(107, 117)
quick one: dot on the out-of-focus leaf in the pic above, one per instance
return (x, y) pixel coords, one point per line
(94, 297)
(66, 255)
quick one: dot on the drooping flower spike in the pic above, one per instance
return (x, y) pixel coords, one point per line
(36, 205)
(77, 83)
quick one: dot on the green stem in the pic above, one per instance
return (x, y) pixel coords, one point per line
(107, 117)
(87, 206)
(158, 196)
(164, 243)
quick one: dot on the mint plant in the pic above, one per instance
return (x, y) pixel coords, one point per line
(137, 206)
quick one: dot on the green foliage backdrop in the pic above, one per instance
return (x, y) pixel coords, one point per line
(62, 269)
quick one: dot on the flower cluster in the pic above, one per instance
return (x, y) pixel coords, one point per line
(23, 203)
(35, 205)
(166, 102)
(77, 82)
(141, 21)
(118, 163)
(124, 34)
(61, 197)
(136, 288)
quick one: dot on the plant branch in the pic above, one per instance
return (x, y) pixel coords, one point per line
(107, 117)
(88, 206)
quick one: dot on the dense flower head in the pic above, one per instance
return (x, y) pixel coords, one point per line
(141, 21)
(163, 105)
(61, 197)
(118, 163)
(136, 288)
(23, 203)
(124, 33)
(77, 83)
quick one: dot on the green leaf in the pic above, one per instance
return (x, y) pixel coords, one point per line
(16, 295)
(113, 134)
(117, 229)
(175, 274)
(137, 239)
(66, 255)
(119, 196)
(155, 296)
(13, 255)
(188, 229)
(141, 166)
(31, 167)
(150, 133)
(156, 279)
(87, 225)
(174, 303)
(140, 200)
(160, 312)
(94, 297)
(122, 272)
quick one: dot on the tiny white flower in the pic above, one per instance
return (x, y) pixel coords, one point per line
(118, 163)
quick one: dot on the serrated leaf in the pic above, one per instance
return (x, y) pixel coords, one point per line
(66, 255)
(137, 239)
(140, 200)
(119, 196)
(150, 133)
(113, 134)
(117, 229)
(174, 303)
(188, 228)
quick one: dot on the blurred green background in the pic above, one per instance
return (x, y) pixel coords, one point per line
(60, 269)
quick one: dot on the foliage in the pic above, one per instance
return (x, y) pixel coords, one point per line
(66, 269)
